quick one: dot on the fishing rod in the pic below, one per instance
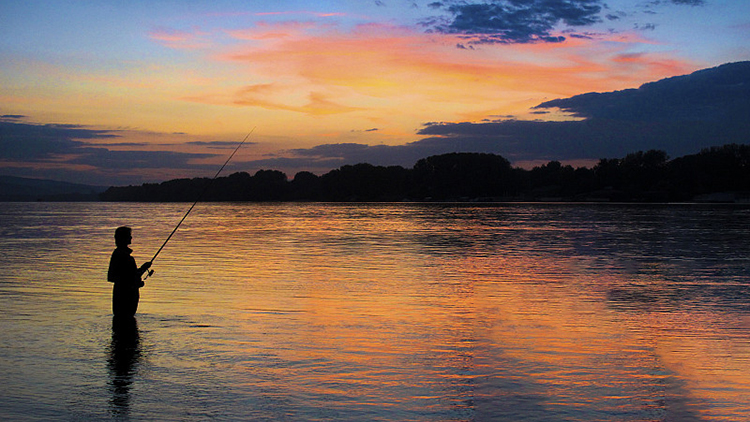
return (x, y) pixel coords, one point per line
(205, 189)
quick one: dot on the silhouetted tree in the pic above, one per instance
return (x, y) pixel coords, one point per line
(463, 175)
(231, 188)
(268, 185)
(715, 169)
(640, 176)
(608, 173)
(365, 182)
(642, 173)
(305, 186)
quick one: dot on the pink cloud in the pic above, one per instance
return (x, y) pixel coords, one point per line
(181, 40)
(267, 31)
(400, 67)
(316, 14)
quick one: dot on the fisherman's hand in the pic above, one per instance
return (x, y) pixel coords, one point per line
(146, 266)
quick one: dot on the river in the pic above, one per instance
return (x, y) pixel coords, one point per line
(379, 312)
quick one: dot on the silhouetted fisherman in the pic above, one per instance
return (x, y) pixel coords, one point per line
(126, 275)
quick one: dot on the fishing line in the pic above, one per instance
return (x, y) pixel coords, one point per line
(205, 189)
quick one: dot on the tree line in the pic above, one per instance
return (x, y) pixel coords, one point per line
(715, 174)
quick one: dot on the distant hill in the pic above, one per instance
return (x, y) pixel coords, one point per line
(14, 188)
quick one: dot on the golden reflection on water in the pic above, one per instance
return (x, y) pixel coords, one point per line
(397, 312)
(404, 308)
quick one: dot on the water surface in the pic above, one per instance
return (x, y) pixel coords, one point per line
(522, 312)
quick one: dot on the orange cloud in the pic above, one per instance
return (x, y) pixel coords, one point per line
(399, 78)
(377, 60)
(264, 95)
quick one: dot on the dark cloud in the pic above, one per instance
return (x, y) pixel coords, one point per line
(38, 142)
(659, 3)
(689, 2)
(218, 144)
(680, 115)
(42, 150)
(207, 144)
(575, 140)
(329, 156)
(123, 160)
(291, 165)
(12, 117)
(119, 144)
(513, 21)
(515, 140)
(713, 95)
(353, 153)
(582, 36)
(529, 21)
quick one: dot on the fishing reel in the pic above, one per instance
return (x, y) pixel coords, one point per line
(149, 273)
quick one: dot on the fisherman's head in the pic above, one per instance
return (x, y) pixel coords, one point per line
(123, 236)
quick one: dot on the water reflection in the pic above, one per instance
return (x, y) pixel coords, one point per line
(124, 358)
(390, 312)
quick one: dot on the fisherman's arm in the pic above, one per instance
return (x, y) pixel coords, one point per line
(144, 268)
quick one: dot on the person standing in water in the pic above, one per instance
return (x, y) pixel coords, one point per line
(125, 274)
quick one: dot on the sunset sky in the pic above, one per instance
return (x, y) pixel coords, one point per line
(111, 92)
